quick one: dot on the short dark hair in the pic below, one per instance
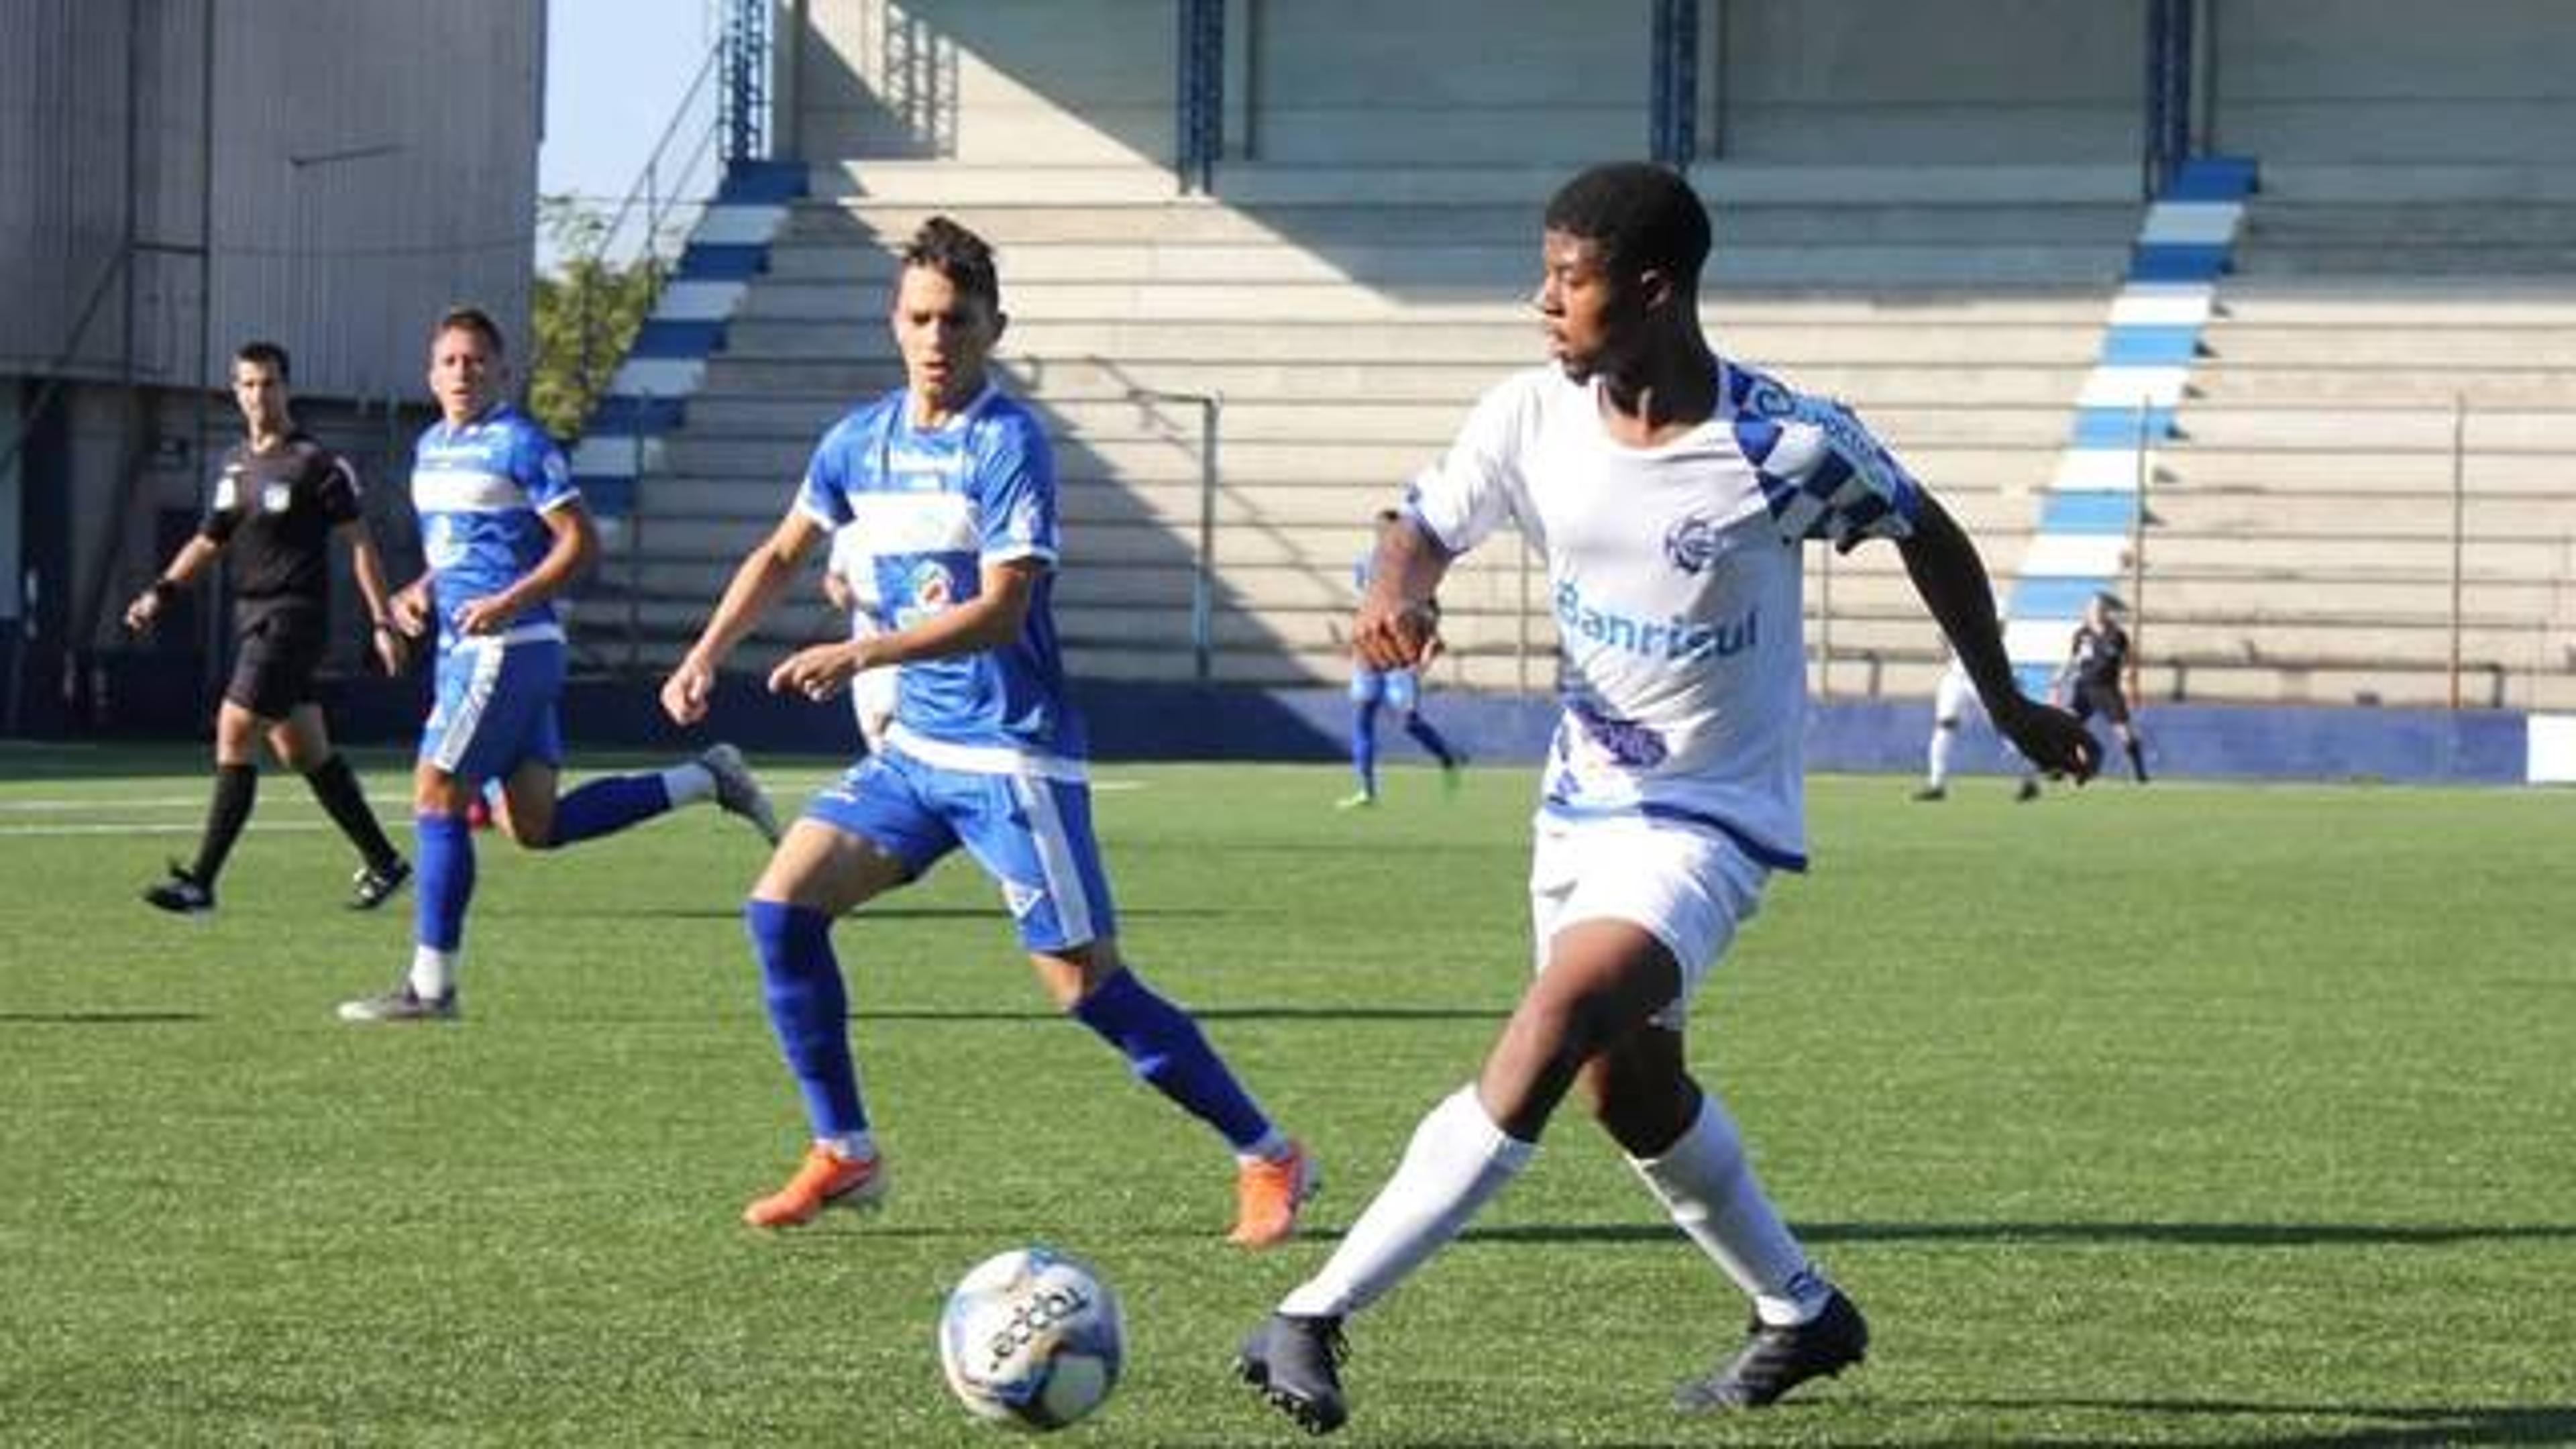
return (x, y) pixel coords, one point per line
(474, 320)
(268, 355)
(952, 251)
(1642, 217)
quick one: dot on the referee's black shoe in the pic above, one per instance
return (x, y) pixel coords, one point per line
(374, 885)
(182, 894)
(1778, 1358)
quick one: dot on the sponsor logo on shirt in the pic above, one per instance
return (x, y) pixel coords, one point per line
(1675, 638)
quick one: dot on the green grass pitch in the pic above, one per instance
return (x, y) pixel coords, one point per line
(2186, 1115)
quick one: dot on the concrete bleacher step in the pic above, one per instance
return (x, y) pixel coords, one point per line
(949, 183)
(2330, 469)
(1500, 336)
(2329, 383)
(740, 396)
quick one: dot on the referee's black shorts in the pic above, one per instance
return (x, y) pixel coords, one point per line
(281, 648)
(2092, 697)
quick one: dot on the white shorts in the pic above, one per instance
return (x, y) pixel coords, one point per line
(1956, 699)
(1691, 888)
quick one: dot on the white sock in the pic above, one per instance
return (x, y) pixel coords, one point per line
(1458, 1158)
(849, 1146)
(1273, 1147)
(433, 972)
(1937, 756)
(1706, 1183)
(689, 783)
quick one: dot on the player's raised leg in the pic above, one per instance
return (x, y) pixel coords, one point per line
(1034, 836)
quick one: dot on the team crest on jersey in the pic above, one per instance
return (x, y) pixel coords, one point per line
(228, 489)
(927, 590)
(1691, 544)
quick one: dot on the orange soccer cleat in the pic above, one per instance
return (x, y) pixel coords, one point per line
(1268, 1194)
(826, 1179)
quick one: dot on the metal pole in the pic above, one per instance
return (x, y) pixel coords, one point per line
(1521, 647)
(2138, 548)
(1825, 626)
(2459, 518)
(1203, 571)
(1203, 588)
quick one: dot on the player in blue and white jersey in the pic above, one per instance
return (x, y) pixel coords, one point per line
(504, 533)
(1398, 689)
(1669, 492)
(952, 488)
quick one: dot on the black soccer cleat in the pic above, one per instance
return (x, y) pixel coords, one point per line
(182, 894)
(1292, 1361)
(1931, 792)
(1777, 1359)
(372, 886)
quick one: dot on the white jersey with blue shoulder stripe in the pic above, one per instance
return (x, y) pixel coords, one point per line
(1675, 575)
(482, 489)
(928, 508)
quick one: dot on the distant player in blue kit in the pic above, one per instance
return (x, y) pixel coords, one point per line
(505, 533)
(951, 487)
(1399, 689)
(1669, 491)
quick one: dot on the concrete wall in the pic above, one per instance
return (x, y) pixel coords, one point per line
(2369, 82)
(371, 161)
(1068, 82)
(1446, 82)
(1885, 81)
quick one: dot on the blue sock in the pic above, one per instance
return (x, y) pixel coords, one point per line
(444, 847)
(608, 805)
(810, 1010)
(1164, 1046)
(1429, 738)
(1364, 746)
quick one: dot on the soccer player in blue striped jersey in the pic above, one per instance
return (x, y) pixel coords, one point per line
(1401, 689)
(950, 487)
(504, 533)
(1669, 492)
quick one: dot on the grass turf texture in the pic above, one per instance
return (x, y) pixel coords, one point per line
(2183, 1115)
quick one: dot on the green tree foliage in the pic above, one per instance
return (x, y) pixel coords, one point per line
(585, 314)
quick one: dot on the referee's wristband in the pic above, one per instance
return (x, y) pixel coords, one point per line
(163, 590)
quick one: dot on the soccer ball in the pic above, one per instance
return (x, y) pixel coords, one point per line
(1031, 1338)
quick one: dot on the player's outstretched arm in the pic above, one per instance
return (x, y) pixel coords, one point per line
(1952, 582)
(758, 580)
(1005, 592)
(1398, 625)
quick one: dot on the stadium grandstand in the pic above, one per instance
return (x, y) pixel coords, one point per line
(2260, 316)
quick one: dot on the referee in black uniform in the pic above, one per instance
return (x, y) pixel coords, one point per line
(2092, 679)
(280, 498)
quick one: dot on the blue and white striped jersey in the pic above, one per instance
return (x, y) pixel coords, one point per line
(481, 489)
(928, 508)
(1675, 574)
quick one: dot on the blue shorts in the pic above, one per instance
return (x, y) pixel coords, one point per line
(495, 708)
(1031, 835)
(1397, 687)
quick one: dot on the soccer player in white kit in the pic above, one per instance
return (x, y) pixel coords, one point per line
(1954, 699)
(1669, 492)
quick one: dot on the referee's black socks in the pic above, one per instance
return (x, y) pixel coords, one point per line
(236, 789)
(336, 786)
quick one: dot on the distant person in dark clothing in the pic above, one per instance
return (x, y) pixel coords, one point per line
(279, 501)
(2093, 679)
